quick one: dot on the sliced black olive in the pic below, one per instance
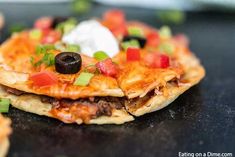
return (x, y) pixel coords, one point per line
(58, 20)
(141, 40)
(68, 62)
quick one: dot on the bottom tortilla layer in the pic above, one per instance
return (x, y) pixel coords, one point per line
(32, 103)
(156, 102)
(4, 145)
(5, 131)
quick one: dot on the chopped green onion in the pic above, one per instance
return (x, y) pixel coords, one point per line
(83, 79)
(165, 32)
(135, 31)
(100, 55)
(60, 46)
(81, 6)
(130, 43)
(42, 49)
(17, 28)
(166, 48)
(48, 58)
(172, 16)
(4, 105)
(67, 25)
(35, 34)
(31, 60)
(72, 48)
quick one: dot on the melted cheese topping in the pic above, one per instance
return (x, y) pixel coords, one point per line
(21, 48)
(134, 78)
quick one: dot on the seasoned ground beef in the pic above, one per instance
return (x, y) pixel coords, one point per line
(104, 105)
(14, 91)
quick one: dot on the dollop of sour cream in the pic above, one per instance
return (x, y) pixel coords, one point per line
(91, 36)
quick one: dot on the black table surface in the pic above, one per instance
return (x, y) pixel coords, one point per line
(200, 120)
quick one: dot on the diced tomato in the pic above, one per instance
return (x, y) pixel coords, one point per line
(119, 30)
(51, 37)
(115, 20)
(114, 17)
(181, 39)
(133, 54)
(43, 23)
(156, 60)
(107, 67)
(43, 78)
(153, 39)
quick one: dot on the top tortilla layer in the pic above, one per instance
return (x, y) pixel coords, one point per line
(15, 69)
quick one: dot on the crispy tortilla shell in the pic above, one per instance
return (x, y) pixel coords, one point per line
(4, 145)
(32, 103)
(16, 69)
(5, 130)
(193, 74)
(99, 86)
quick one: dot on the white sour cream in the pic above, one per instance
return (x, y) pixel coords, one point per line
(91, 36)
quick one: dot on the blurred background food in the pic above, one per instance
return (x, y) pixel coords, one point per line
(167, 11)
(160, 4)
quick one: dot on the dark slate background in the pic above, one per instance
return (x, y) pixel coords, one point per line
(200, 120)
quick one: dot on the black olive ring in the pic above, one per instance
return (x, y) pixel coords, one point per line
(68, 62)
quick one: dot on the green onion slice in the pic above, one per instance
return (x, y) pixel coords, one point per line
(81, 6)
(17, 28)
(35, 34)
(42, 49)
(165, 32)
(100, 55)
(4, 105)
(131, 43)
(135, 31)
(172, 16)
(72, 48)
(166, 48)
(67, 25)
(83, 79)
(60, 46)
(48, 58)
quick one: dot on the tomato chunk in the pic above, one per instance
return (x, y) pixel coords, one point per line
(50, 37)
(115, 20)
(43, 23)
(181, 39)
(114, 17)
(119, 31)
(153, 39)
(133, 54)
(156, 60)
(107, 67)
(43, 78)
